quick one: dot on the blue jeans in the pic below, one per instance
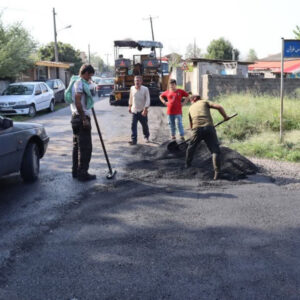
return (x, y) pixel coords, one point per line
(144, 122)
(172, 119)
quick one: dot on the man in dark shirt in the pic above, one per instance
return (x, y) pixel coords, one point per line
(203, 129)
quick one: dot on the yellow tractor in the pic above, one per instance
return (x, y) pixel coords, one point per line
(150, 66)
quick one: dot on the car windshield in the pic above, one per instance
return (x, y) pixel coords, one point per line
(19, 89)
(107, 81)
(50, 83)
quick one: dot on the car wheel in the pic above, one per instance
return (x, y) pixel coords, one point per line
(32, 111)
(51, 106)
(30, 166)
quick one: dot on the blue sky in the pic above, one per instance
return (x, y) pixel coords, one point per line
(257, 24)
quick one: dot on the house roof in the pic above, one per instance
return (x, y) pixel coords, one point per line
(277, 57)
(218, 61)
(54, 64)
(291, 66)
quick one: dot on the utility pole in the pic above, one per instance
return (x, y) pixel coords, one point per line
(107, 54)
(194, 48)
(89, 51)
(233, 54)
(151, 24)
(55, 37)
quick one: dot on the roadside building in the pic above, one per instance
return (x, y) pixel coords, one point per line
(270, 67)
(195, 79)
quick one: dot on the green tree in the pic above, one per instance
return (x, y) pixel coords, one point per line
(252, 56)
(66, 53)
(221, 49)
(16, 50)
(297, 32)
(97, 62)
(192, 51)
(174, 60)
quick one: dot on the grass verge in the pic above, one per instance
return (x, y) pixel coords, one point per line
(21, 118)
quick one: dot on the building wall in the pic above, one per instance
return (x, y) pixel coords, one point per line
(194, 81)
(214, 86)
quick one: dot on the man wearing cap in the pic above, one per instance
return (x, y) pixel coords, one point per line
(203, 129)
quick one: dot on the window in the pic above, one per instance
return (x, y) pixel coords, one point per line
(38, 89)
(19, 89)
(44, 88)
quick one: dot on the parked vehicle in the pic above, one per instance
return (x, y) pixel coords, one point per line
(105, 86)
(150, 66)
(26, 98)
(22, 147)
(58, 88)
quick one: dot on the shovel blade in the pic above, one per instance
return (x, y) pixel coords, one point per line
(111, 175)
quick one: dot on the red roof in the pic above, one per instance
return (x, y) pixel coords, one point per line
(290, 66)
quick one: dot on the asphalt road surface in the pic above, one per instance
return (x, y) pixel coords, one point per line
(132, 238)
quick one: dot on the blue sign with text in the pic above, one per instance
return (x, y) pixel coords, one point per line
(291, 48)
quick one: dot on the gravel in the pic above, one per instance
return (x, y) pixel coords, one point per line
(286, 174)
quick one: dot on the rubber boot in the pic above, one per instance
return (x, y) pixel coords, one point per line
(216, 165)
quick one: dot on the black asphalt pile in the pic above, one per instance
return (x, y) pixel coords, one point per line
(158, 163)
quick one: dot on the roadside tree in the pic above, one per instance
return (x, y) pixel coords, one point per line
(192, 51)
(16, 50)
(97, 62)
(297, 32)
(252, 56)
(221, 49)
(174, 60)
(66, 53)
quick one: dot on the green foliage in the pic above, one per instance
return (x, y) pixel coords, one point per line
(252, 56)
(267, 145)
(297, 32)
(97, 62)
(255, 131)
(193, 51)
(174, 60)
(221, 49)
(66, 53)
(16, 50)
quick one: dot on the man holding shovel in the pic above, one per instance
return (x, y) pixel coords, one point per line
(203, 129)
(81, 103)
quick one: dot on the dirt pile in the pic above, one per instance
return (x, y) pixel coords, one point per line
(156, 162)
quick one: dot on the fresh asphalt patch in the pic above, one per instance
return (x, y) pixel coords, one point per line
(156, 162)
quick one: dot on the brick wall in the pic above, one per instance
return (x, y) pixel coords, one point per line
(214, 86)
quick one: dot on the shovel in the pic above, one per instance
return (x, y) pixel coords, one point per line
(110, 173)
(175, 147)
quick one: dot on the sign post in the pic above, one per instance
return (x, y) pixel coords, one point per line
(290, 48)
(281, 91)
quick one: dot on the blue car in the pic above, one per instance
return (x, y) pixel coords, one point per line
(22, 145)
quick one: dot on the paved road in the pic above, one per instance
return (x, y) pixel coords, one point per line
(131, 239)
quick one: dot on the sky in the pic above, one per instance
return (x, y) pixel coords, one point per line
(247, 24)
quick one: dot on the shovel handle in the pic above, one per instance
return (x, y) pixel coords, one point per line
(221, 122)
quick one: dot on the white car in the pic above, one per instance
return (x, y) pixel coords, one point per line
(26, 98)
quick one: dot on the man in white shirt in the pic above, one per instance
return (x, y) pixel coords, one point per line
(139, 102)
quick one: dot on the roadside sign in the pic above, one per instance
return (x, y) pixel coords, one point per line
(291, 48)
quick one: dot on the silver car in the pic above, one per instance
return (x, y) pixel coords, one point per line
(22, 145)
